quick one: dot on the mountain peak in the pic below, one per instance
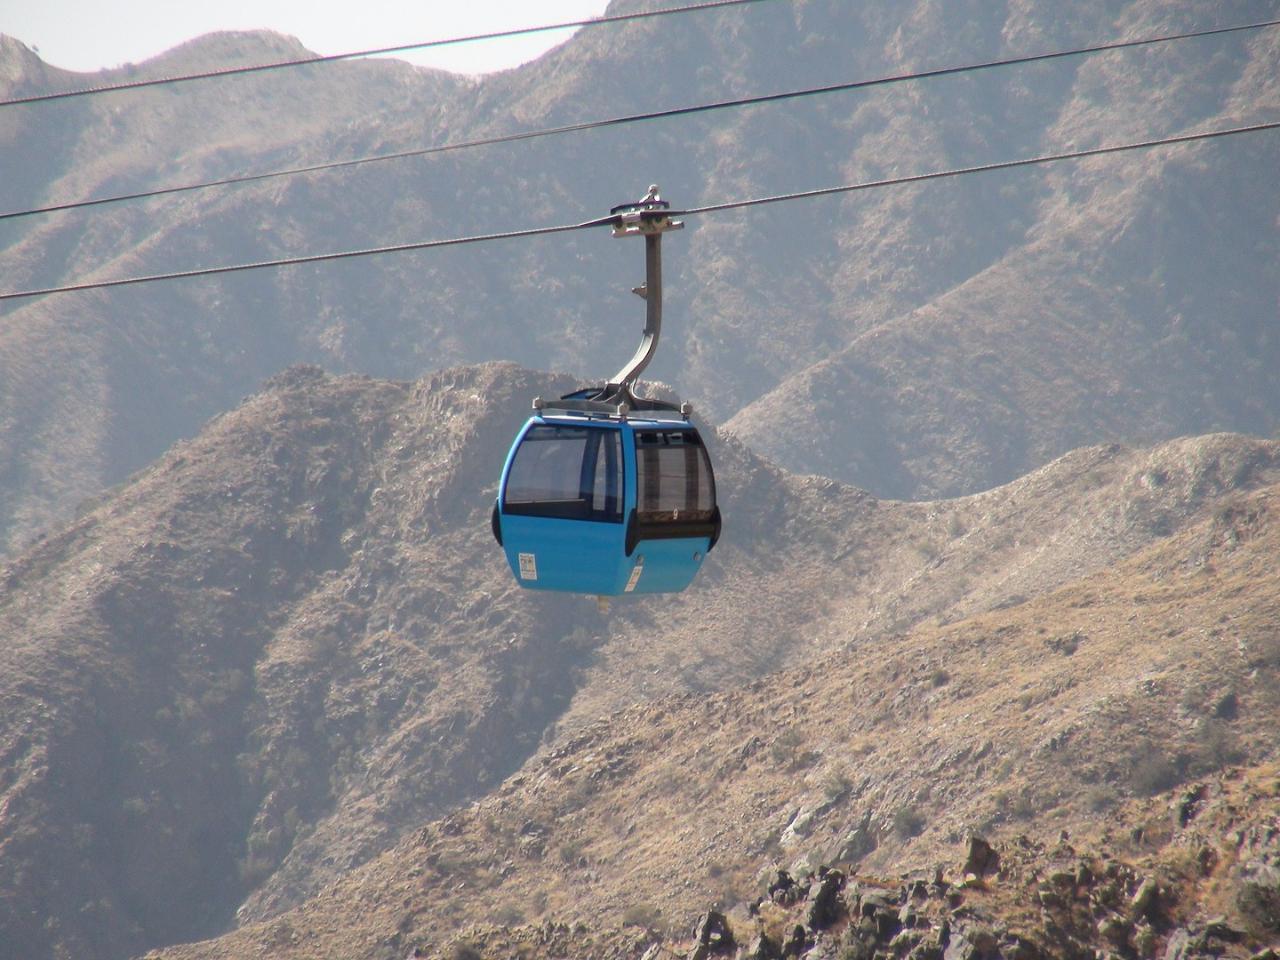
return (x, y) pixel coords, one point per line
(21, 66)
(230, 48)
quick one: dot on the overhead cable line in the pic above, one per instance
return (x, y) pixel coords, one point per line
(981, 168)
(356, 54)
(638, 117)
(687, 212)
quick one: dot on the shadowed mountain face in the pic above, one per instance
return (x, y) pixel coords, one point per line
(1056, 727)
(194, 671)
(291, 641)
(940, 338)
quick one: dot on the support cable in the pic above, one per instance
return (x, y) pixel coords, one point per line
(315, 258)
(356, 54)
(689, 212)
(981, 168)
(638, 117)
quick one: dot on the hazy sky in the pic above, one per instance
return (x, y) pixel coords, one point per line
(92, 34)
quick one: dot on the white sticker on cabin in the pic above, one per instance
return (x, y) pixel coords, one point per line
(635, 575)
(528, 566)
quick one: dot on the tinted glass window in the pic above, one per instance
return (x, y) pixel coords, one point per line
(568, 472)
(674, 480)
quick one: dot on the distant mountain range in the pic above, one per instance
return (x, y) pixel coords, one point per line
(933, 340)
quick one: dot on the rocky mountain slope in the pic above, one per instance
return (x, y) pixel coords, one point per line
(1114, 738)
(1123, 299)
(272, 656)
(1079, 332)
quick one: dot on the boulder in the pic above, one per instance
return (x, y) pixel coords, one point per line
(762, 948)
(982, 859)
(927, 949)
(825, 907)
(796, 943)
(782, 888)
(1145, 940)
(1219, 929)
(1182, 945)
(858, 842)
(1014, 947)
(971, 942)
(1258, 898)
(1189, 804)
(711, 935)
(1116, 930)
(1145, 904)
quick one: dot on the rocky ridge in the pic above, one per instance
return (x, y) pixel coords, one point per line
(883, 760)
(1140, 895)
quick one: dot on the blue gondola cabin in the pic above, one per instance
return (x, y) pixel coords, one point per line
(606, 505)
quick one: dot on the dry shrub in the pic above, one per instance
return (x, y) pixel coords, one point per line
(908, 822)
(1152, 773)
(642, 914)
(1259, 902)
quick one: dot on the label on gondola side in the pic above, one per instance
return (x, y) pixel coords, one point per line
(528, 567)
(635, 575)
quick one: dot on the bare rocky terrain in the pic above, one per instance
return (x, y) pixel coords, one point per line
(289, 644)
(1114, 738)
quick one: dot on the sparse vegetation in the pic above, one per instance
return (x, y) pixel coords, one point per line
(1101, 798)
(835, 784)
(1216, 746)
(1014, 805)
(509, 915)
(773, 920)
(1152, 772)
(570, 851)
(789, 750)
(1259, 901)
(786, 746)
(644, 915)
(908, 822)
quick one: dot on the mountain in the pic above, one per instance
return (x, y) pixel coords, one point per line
(1106, 695)
(262, 664)
(935, 339)
(1063, 341)
(193, 670)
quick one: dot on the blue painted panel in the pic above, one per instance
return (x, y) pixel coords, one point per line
(668, 566)
(581, 556)
(586, 557)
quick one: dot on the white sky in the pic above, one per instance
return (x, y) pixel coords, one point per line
(91, 34)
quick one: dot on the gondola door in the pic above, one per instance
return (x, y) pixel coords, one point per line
(676, 521)
(563, 498)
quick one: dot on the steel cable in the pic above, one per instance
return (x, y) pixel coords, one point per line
(638, 117)
(688, 212)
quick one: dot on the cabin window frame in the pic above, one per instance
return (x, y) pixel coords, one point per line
(563, 486)
(664, 492)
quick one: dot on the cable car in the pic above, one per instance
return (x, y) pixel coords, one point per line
(607, 505)
(605, 492)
